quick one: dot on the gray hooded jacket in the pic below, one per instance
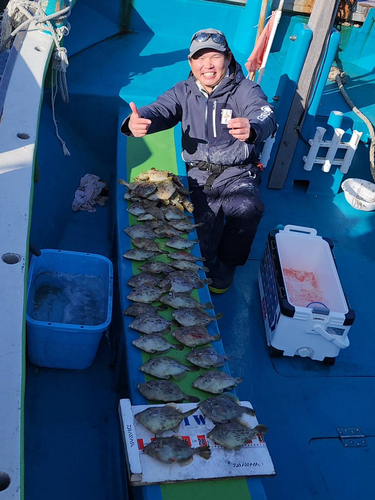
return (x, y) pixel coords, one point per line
(204, 136)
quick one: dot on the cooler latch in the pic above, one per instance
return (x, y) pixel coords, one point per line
(352, 437)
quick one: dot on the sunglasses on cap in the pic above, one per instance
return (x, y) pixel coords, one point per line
(216, 38)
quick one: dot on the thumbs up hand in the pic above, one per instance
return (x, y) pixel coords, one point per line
(137, 125)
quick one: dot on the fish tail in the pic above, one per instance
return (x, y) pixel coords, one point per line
(201, 259)
(203, 451)
(218, 316)
(238, 380)
(192, 368)
(191, 399)
(178, 347)
(208, 305)
(189, 412)
(215, 337)
(205, 269)
(249, 411)
(261, 429)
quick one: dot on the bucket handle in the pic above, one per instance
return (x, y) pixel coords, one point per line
(342, 344)
(300, 229)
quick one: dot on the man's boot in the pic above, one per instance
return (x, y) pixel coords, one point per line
(222, 277)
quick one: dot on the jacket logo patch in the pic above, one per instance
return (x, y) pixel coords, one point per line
(266, 112)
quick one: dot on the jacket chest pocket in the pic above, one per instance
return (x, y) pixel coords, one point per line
(220, 116)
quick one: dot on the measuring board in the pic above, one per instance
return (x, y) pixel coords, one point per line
(253, 459)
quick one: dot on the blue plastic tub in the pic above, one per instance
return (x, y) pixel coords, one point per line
(69, 307)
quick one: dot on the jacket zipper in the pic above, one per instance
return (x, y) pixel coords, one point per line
(214, 118)
(206, 128)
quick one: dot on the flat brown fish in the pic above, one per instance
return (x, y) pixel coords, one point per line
(139, 255)
(178, 300)
(216, 381)
(165, 391)
(175, 450)
(192, 336)
(194, 316)
(146, 244)
(185, 256)
(138, 308)
(155, 343)
(144, 278)
(165, 367)
(145, 293)
(233, 435)
(180, 243)
(139, 231)
(224, 408)
(150, 323)
(206, 358)
(158, 419)
(156, 267)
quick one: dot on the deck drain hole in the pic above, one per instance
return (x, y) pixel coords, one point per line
(11, 258)
(4, 481)
(22, 135)
(39, 49)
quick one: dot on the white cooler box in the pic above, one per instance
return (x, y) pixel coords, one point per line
(305, 310)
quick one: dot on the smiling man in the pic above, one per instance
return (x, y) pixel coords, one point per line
(223, 117)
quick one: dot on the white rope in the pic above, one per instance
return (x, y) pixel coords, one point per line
(339, 77)
(18, 15)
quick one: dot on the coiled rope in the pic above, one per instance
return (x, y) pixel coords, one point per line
(339, 77)
(13, 20)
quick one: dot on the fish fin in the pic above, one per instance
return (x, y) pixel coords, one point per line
(183, 463)
(173, 405)
(192, 368)
(215, 337)
(261, 429)
(233, 397)
(203, 451)
(208, 305)
(195, 241)
(208, 281)
(189, 412)
(162, 307)
(191, 399)
(164, 332)
(178, 347)
(218, 316)
(179, 376)
(205, 269)
(249, 411)
(238, 380)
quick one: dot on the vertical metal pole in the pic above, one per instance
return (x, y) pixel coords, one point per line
(321, 82)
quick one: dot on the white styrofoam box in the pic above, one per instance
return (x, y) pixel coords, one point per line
(253, 459)
(320, 328)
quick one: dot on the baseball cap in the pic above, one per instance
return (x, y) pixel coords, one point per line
(208, 39)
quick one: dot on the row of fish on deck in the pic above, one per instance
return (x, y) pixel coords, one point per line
(159, 199)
